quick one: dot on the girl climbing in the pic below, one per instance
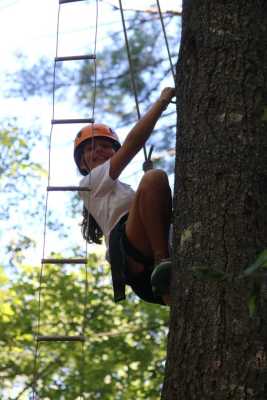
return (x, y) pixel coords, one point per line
(135, 225)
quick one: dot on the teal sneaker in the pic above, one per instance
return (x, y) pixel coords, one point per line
(161, 277)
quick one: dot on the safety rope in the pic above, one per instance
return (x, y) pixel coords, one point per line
(148, 161)
(166, 39)
(41, 275)
(148, 164)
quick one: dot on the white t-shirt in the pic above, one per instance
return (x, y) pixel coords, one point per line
(108, 200)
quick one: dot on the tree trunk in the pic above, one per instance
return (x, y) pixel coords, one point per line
(216, 349)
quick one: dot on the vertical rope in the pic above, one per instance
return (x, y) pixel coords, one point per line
(36, 352)
(166, 39)
(95, 65)
(86, 290)
(131, 68)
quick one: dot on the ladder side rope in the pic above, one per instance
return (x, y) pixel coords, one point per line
(36, 352)
(37, 333)
(95, 65)
(86, 291)
(131, 69)
(166, 39)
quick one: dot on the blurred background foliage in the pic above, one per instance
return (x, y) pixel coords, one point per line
(125, 348)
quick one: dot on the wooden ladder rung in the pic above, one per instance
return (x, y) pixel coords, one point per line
(64, 261)
(59, 338)
(67, 188)
(68, 1)
(73, 58)
(73, 121)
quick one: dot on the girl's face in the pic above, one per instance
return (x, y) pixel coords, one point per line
(96, 152)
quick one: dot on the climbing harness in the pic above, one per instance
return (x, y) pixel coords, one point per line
(39, 338)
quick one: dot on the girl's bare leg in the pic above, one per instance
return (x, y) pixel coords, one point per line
(148, 224)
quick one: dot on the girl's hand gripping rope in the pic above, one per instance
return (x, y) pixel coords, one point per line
(166, 95)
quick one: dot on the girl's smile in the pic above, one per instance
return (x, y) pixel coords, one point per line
(96, 152)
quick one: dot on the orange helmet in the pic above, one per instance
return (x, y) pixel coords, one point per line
(90, 132)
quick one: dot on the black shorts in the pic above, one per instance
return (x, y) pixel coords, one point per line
(119, 249)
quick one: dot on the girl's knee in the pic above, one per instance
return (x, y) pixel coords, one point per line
(154, 178)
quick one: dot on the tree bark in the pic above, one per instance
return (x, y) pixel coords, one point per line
(216, 350)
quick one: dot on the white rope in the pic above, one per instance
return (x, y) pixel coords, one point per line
(148, 164)
(36, 352)
(166, 39)
(134, 89)
(86, 291)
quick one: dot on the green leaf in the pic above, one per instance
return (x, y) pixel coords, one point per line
(253, 299)
(261, 262)
(252, 305)
(206, 273)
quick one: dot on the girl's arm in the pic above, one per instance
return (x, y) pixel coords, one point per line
(139, 134)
